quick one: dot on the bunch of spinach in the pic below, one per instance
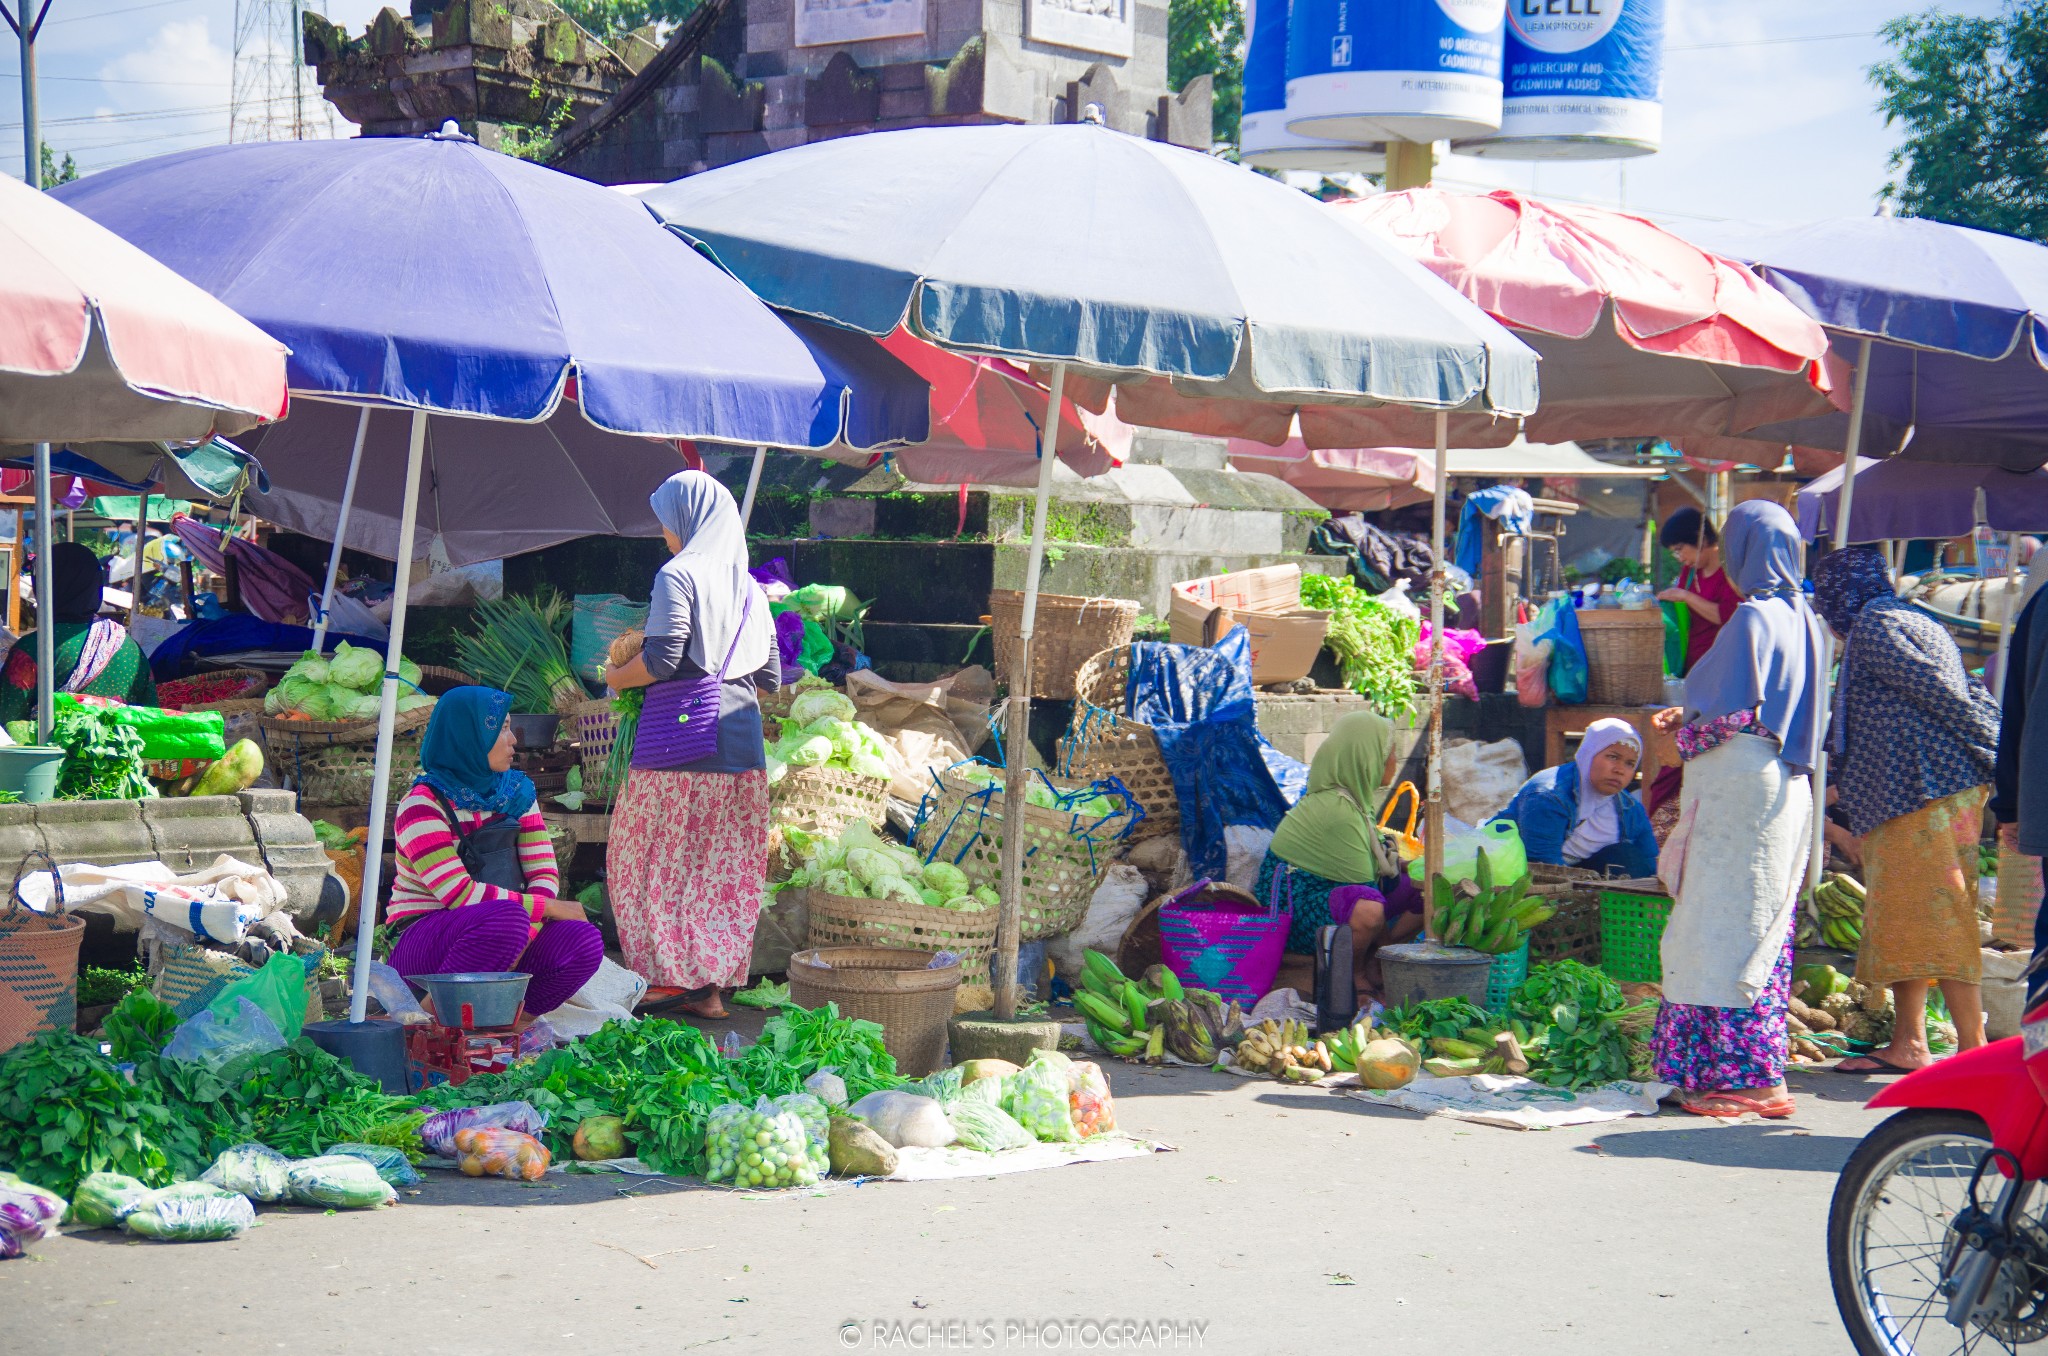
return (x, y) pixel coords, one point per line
(1374, 643)
(1438, 1018)
(140, 1024)
(1577, 1011)
(66, 1112)
(102, 759)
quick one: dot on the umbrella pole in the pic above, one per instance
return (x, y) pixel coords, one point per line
(348, 499)
(46, 637)
(1016, 753)
(753, 484)
(2012, 608)
(1433, 833)
(1817, 852)
(141, 539)
(380, 791)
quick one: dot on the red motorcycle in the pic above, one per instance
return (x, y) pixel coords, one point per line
(1938, 1234)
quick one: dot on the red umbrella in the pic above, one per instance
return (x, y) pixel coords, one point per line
(1693, 344)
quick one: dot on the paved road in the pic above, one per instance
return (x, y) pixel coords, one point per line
(1672, 1234)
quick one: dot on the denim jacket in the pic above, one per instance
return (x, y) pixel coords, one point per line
(1547, 807)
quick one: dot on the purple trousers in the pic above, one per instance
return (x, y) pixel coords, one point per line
(495, 936)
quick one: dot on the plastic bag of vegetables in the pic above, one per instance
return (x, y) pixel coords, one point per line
(391, 1164)
(816, 1120)
(341, 1181)
(484, 1152)
(190, 1212)
(255, 1170)
(103, 1198)
(979, 1125)
(758, 1147)
(28, 1214)
(439, 1131)
(1088, 1099)
(1037, 1097)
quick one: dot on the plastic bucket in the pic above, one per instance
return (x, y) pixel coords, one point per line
(375, 1048)
(30, 771)
(1418, 972)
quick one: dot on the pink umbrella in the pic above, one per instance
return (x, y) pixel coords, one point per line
(100, 342)
(1346, 479)
(1697, 344)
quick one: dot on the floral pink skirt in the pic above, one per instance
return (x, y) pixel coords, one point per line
(684, 870)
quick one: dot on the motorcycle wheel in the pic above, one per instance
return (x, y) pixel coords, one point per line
(1888, 1231)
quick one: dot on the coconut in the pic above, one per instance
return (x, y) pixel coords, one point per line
(1387, 1064)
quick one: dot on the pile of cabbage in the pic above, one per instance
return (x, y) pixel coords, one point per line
(821, 731)
(1088, 802)
(344, 688)
(861, 864)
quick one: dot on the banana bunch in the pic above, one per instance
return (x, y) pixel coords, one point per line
(1477, 1051)
(1833, 914)
(1287, 1050)
(1345, 1043)
(1484, 916)
(1155, 1016)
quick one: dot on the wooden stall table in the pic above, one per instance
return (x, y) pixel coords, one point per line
(1564, 726)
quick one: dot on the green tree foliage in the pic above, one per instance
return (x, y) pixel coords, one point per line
(57, 171)
(608, 20)
(1206, 37)
(1971, 96)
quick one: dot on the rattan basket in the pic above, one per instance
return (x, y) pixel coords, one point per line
(285, 736)
(1102, 742)
(1624, 655)
(1573, 932)
(891, 988)
(1066, 633)
(837, 920)
(827, 799)
(1065, 854)
(597, 729)
(251, 684)
(344, 773)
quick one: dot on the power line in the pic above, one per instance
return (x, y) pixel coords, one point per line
(1767, 42)
(111, 80)
(110, 13)
(142, 115)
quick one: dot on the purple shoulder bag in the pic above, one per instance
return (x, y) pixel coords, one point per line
(679, 718)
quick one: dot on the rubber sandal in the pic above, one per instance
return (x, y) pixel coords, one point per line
(1744, 1106)
(1884, 1066)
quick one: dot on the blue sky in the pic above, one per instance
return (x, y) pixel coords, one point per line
(1768, 115)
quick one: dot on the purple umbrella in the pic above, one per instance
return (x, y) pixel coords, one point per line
(435, 276)
(1903, 500)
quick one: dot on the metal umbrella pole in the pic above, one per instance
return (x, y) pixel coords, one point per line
(1817, 850)
(1016, 752)
(2012, 609)
(141, 540)
(753, 484)
(348, 499)
(1433, 833)
(387, 713)
(46, 634)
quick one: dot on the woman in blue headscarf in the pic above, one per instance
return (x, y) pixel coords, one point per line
(686, 863)
(477, 887)
(1749, 735)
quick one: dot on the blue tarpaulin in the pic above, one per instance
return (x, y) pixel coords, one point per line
(1200, 704)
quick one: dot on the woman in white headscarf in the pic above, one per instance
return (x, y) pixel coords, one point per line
(686, 862)
(1582, 813)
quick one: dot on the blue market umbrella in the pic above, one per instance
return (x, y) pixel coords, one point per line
(437, 277)
(1218, 298)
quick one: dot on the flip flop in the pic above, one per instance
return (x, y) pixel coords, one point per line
(1884, 1066)
(1744, 1106)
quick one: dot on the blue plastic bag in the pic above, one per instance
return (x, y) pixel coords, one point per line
(1558, 623)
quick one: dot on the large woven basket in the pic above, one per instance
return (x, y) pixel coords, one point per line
(283, 736)
(837, 920)
(344, 774)
(891, 988)
(597, 728)
(1624, 655)
(38, 965)
(246, 683)
(1573, 932)
(1102, 742)
(827, 799)
(1065, 854)
(1066, 633)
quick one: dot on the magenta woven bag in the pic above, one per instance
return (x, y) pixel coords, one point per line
(679, 718)
(1222, 945)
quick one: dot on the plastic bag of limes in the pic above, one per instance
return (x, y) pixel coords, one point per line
(758, 1147)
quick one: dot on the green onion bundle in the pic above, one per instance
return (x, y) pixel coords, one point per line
(521, 647)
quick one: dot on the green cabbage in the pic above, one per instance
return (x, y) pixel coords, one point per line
(818, 704)
(949, 880)
(987, 895)
(351, 705)
(931, 899)
(311, 668)
(317, 702)
(777, 769)
(355, 667)
(896, 888)
(867, 765)
(413, 701)
(871, 864)
(841, 883)
(408, 671)
(810, 753)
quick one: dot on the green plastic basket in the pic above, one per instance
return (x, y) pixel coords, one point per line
(1505, 975)
(1632, 935)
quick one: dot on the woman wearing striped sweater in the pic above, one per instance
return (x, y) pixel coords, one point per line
(477, 886)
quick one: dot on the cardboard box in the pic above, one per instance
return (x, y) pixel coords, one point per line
(1285, 636)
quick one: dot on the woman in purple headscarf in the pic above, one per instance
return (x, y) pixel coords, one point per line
(686, 863)
(1750, 734)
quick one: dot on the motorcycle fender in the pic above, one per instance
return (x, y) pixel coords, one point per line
(1990, 1081)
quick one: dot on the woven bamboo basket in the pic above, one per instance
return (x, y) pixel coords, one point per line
(597, 728)
(838, 920)
(1624, 655)
(1573, 932)
(891, 988)
(1103, 742)
(827, 799)
(250, 684)
(436, 679)
(775, 705)
(284, 736)
(344, 773)
(1065, 854)
(1066, 633)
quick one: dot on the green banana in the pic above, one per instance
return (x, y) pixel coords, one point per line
(1170, 986)
(1103, 970)
(1104, 1013)
(1134, 1002)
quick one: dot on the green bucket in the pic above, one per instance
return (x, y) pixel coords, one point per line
(30, 771)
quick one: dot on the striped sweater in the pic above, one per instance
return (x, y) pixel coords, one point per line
(430, 873)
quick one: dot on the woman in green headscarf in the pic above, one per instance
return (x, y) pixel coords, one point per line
(1330, 862)
(94, 655)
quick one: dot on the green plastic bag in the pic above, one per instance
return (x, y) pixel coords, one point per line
(279, 989)
(166, 735)
(1677, 636)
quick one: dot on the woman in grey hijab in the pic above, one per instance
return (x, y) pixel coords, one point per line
(686, 863)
